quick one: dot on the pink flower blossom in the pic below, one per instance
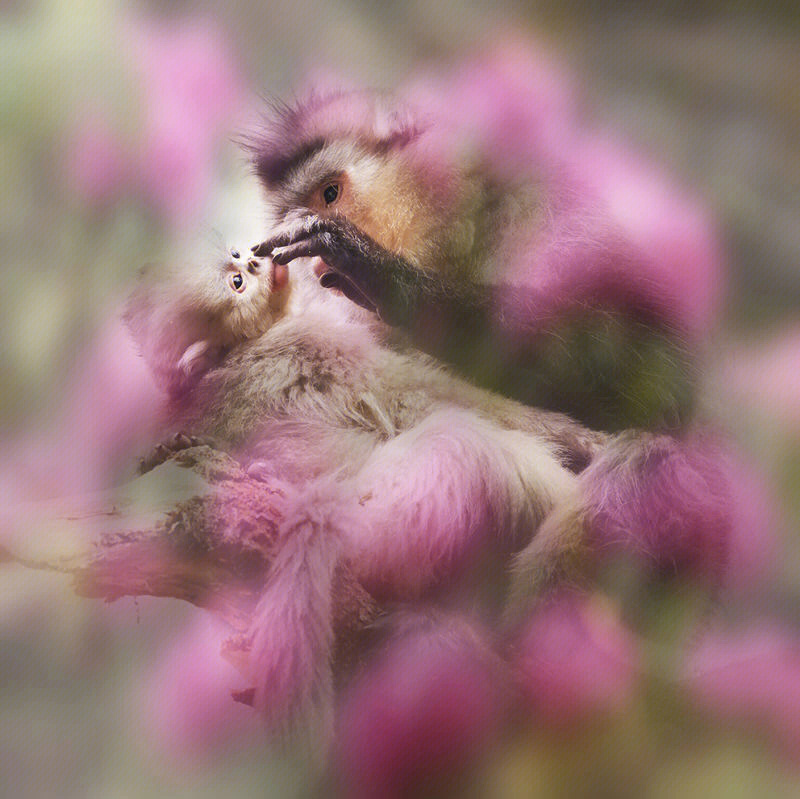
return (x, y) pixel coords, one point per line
(767, 375)
(575, 660)
(96, 164)
(192, 90)
(106, 417)
(422, 711)
(186, 703)
(757, 526)
(751, 677)
(688, 505)
(618, 229)
(676, 234)
(516, 104)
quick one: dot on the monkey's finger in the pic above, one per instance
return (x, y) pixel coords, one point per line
(331, 280)
(261, 250)
(288, 233)
(307, 248)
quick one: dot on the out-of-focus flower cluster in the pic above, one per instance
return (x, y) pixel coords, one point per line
(190, 88)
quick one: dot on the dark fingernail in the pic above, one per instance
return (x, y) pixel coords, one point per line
(328, 280)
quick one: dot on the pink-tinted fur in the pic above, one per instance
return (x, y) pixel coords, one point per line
(422, 510)
(619, 230)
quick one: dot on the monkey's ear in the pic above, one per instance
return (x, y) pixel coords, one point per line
(196, 358)
(394, 126)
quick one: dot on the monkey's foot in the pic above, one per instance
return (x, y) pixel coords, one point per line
(166, 449)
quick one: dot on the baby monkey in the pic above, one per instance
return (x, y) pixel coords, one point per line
(186, 316)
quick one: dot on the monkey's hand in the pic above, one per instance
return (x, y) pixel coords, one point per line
(359, 267)
(166, 449)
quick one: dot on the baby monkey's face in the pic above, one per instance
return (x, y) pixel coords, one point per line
(249, 292)
(245, 275)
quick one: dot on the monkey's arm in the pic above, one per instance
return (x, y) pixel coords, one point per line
(609, 369)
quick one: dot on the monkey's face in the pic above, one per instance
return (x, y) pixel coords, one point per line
(375, 190)
(247, 292)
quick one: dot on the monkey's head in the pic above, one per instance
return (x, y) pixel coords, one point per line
(238, 297)
(366, 157)
(185, 316)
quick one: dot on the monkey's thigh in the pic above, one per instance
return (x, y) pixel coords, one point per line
(437, 495)
(298, 450)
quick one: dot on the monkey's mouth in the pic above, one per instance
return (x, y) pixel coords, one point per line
(337, 282)
(279, 277)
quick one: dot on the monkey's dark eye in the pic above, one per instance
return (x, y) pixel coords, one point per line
(234, 253)
(330, 193)
(236, 281)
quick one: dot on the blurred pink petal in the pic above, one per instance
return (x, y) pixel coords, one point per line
(422, 711)
(576, 660)
(105, 418)
(516, 104)
(666, 501)
(192, 91)
(750, 676)
(186, 702)
(690, 506)
(619, 231)
(767, 375)
(96, 163)
(676, 234)
(757, 527)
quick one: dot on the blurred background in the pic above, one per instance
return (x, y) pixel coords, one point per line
(116, 143)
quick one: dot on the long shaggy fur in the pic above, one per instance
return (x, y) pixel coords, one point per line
(421, 472)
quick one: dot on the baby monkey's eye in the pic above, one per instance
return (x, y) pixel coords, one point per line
(330, 193)
(236, 281)
(234, 253)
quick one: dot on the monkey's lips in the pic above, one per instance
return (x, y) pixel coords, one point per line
(280, 277)
(329, 279)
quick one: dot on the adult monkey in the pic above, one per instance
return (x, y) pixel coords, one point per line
(519, 278)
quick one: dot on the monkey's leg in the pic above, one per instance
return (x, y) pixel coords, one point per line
(432, 499)
(665, 503)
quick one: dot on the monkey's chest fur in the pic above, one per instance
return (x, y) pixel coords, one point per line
(315, 370)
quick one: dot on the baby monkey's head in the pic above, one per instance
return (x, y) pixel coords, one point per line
(240, 296)
(186, 316)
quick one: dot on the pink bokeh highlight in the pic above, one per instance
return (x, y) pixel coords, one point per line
(184, 703)
(423, 711)
(97, 162)
(110, 409)
(575, 661)
(766, 376)
(191, 90)
(749, 677)
(620, 230)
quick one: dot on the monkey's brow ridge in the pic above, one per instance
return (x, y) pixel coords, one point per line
(273, 167)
